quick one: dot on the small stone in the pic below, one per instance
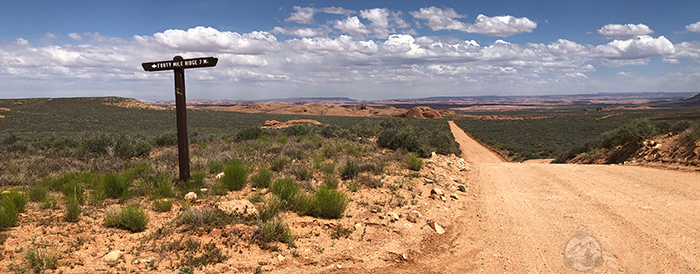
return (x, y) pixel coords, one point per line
(438, 228)
(339, 266)
(218, 176)
(191, 196)
(393, 216)
(462, 188)
(113, 256)
(203, 189)
(454, 196)
(438, 192)
(280, 257)
(242, 207)
(413, 216)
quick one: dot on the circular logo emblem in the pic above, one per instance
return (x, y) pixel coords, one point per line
(583, 252)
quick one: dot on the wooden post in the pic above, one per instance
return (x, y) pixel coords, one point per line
(181, 113)
(178, 65)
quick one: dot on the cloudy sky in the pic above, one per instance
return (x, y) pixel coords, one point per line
(358, 49)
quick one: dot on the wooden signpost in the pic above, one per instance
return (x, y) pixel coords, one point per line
(179, 65)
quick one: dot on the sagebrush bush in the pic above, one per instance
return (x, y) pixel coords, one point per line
(279, 163)
(74, 189)
(273, 230)
(250, 133)
(272, 207)
(127, 146)
(40, 259)
(330, 180)
(413, 162)
(303, 204)
(285, 189)
(353, 186)
(132, 218)
(72, 210)
(235, 176)
(330, 203)
(263, 178)
(303, 172)
(350, 170)
(9, 215)
(167, 139)
(38, 194)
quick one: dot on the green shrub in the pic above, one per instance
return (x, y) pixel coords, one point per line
(350, 170)
(9, 215)
(353, 186)
(163, 205)
(235, 176)
(167, 139)
(262, 179)
(330, 180)
(126, 146)
(273, 230)
(219, 189)
(40, 259)
(285, 189)
(299, 130)
(72, 210)
(330, 203)
(279, 163)
(352, 150)
(75, 190)
(161, 185)
(403, 138)
(17, 197)
(216, 167)
(680, 126)
(282, 140)
(303, 172)
(272, 207)
(303, 204)
(250, 133)
(132, 218)
(693, 132)
(115, 186)
(314, 139)
(194, 184)
(95, 145)
(38, 194)
(413, 162)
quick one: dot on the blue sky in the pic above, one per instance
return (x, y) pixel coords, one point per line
(357, 49)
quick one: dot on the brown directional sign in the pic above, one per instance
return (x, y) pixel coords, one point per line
(178, 65)
(183, 64)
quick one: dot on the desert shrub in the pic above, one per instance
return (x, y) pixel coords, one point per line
(371, 182)
(285, 189)
(250, 133)
(299, 130)
(167, 139)
(330, 151)
(262, 179)
(74, 189)
(216, 167)
(694, 131)
(330, 180)
(38, 194)
(132, 218)
(272, 207)
(163, 205)
(350, 170)
(375, 165)
(235, 176)
(282, 140)
(95, 144)
(330, 203)
(195, 183)
(328, 168)
(334, 131)
(9, 215)
(303, 204)
(273, 230)
(624, 139)
(219, 189)
(314, 139)
(279, 163)
(303, 172)
(116, 187)
(680, 126)
(127, 146)
(72, 210)
(17, 197)
(413, 162)
(40, 259)
(353, 186)
(352, 150)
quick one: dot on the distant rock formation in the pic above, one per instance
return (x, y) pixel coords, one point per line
(278, 124)
(422, 112)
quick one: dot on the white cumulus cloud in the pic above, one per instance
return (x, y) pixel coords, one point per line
(611, 31)
(75, 36)
(207, 39)
(693, 27)
(501, 26)
(351, 25)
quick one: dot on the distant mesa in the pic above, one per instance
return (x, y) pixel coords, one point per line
(695, 100)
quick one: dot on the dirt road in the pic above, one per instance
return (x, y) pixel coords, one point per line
(624, 219)
(472, 150)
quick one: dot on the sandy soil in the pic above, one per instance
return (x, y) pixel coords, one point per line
(523, 216)
(472, 150)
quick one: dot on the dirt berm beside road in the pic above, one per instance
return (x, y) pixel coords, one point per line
(623, 219)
